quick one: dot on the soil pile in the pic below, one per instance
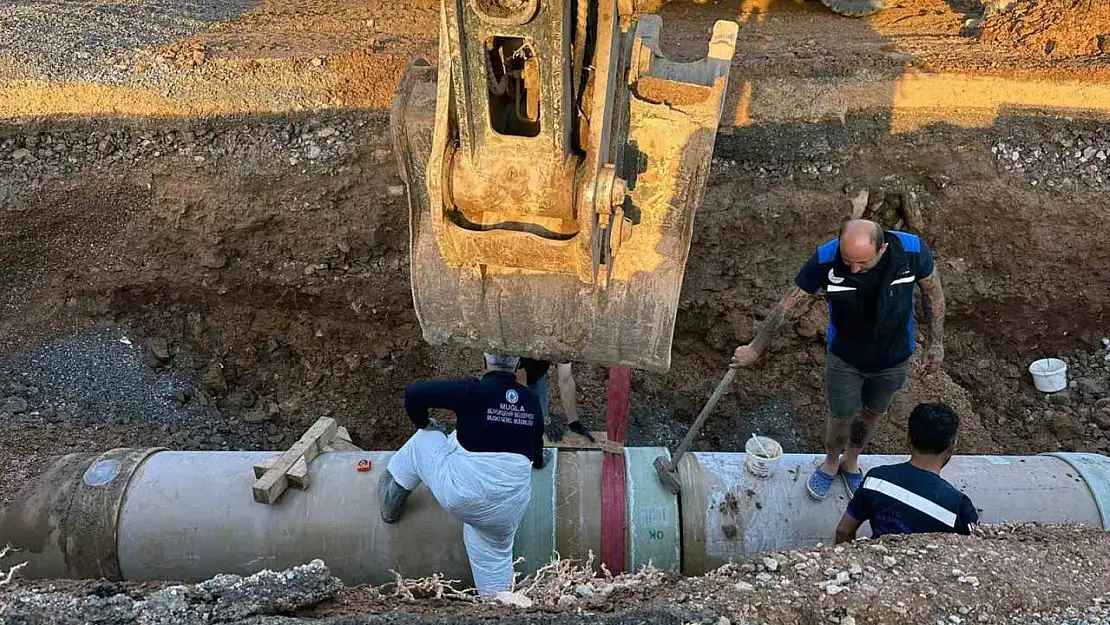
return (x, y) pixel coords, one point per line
(1057, 28)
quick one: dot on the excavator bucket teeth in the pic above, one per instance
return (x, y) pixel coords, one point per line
(552, 193)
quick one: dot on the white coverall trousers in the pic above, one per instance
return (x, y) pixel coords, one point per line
(488, 492)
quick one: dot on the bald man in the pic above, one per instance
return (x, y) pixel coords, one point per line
(868, 276)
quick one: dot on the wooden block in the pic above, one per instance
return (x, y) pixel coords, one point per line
(298, 473)
(574, 440)
(338, 444)
(342, 441)
(275, 480)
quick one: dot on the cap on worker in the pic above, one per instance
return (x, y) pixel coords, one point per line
(501, 362)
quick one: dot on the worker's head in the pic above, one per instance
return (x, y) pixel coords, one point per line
(862, 244)
(933, 430)
(501, 362)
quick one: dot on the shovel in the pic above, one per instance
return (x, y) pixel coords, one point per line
(668, 471)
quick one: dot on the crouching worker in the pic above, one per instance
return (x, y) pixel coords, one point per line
(481, 473)
(912, 497)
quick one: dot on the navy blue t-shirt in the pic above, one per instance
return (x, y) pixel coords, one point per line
(494, 413)
(871, 325)
(903, 499)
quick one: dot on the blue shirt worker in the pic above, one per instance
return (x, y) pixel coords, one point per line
(481, 474)
(912, 497)
(867, 275)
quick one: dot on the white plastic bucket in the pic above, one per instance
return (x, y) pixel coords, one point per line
(757, 463)
(1049, 374)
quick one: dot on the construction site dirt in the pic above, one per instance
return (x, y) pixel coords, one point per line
(204, 239)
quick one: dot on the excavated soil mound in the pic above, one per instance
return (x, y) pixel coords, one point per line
(1058, 28)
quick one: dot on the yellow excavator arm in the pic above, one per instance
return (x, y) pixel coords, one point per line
(554, 159)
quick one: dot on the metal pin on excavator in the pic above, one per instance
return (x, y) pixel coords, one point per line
(554, 160)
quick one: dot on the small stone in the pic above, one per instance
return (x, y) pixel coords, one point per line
(744, 587)
(565, 601)
(14, 405)
(256, 415)
(833, 589)
(1102, 418)
(1062, 398)
(313, 152)
(396, 190)
(584, 591)
(160, 349)
(513, 598)
(771, 564)
(848, 620)
(724, 621)
(1090, 387)
(764, 577)
(213, 379)
(843, 578)
(970, 579)
(213, 259)
(855, 570)
(889, 561)
(326, 132)
(317, 62)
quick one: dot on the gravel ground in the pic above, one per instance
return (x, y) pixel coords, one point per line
(1006, 575)
(1069, 160)
(87, 148)
(101, 377)
(100, 41)
(114, 382)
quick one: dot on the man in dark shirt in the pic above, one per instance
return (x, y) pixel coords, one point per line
(868, 276)
(912, 497)
(533, 373)
(481, 473)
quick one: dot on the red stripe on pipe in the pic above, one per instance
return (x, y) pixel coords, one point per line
(614, 513)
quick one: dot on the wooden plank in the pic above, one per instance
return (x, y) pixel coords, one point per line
(298, 473)
(274, 481)
(574, 440)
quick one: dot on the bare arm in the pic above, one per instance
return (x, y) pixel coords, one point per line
(846, 529)
(794, 304)
(568, 392)
(932, 301)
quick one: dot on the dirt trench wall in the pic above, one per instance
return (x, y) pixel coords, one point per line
(265, 259)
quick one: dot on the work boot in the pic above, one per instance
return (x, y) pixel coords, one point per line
(392, 497)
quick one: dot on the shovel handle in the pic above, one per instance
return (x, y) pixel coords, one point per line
(708, 408)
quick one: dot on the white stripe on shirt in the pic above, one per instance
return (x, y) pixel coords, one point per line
(904, 280)
(911, 499)
(832, 288)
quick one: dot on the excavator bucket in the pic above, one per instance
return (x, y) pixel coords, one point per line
(554, 160)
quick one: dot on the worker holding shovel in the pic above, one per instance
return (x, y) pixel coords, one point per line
(868, 276)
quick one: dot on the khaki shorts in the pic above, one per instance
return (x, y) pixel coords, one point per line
(849, 391)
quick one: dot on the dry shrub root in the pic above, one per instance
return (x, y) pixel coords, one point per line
(421, 588)
(6, 577)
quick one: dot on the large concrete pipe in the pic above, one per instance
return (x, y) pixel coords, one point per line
(146, 514)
